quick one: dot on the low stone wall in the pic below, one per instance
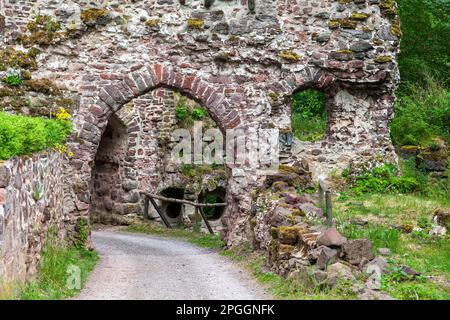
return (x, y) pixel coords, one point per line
(32, 193)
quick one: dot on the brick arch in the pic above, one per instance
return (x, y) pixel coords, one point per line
(139, 82)
(308, 78)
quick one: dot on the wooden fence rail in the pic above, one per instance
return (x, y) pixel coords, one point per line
(150, 198)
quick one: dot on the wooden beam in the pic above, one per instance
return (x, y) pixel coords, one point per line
(206, 220)
(161, 214)
(195, 204)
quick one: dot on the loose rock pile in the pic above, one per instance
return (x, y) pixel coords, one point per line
(299, 246)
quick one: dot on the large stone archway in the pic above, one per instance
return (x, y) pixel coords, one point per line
(105, 101)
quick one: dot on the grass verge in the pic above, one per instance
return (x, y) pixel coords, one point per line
(62, 272)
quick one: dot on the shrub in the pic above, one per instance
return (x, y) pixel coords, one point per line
(22, 135)
(382, 179)
(309, 117)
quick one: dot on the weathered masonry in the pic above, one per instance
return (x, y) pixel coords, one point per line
(125, 62)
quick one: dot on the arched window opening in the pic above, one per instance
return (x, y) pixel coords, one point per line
(309, 115)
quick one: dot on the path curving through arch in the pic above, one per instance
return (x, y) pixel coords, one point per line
(134, 266)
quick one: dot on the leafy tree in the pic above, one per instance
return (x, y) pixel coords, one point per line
(426, 35)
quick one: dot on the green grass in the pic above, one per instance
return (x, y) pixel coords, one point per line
(309, 128)
(423, 253)
(54, 270)
(309, 116)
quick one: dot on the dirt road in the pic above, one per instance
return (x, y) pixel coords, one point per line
(147, 267)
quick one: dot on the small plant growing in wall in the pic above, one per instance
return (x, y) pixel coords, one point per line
(13, 78)
(182, 113)
(198, 113)
(38, 192)
(84, 229)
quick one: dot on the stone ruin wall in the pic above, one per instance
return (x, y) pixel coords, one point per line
(32, 200)
(242, 66)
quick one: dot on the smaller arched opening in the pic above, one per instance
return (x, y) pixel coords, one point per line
(310, 115)
(172, 210)
(212, 197)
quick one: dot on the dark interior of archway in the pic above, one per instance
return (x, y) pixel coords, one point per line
(172, 210)
(106, 174)
(216, 196)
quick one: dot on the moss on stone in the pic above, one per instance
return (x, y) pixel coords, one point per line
(343, 23)
(360, 16)
(11, 58)
(388, 7)
(152, 22)
(285, 248)
(395, 28)
(290, 56)
(41, 31)
(334, 23)
(377, 42)
(344, 51)
(383, 59)
(287, 169)
(298, 213)
(274, 96)
(92, 16)
(348, 24)
(274, 232)
(288, 235)
(44, 86)
(194, 23)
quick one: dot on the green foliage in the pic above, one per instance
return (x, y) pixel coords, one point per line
(22, 135)
(424, 45)
(51, 282)
(198, 113)
(309, 116)
(84, 229)
(422, 114)
(182, 113)
(187, 115)
(382, 179)
(13, 80)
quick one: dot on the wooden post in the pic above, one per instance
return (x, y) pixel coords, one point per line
(146, 207)
(198, 207)
(206, 220)
(329, 209)
(161, 214)
(320, 196)
(324, 191)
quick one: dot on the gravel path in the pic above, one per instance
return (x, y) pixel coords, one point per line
(146, 267)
